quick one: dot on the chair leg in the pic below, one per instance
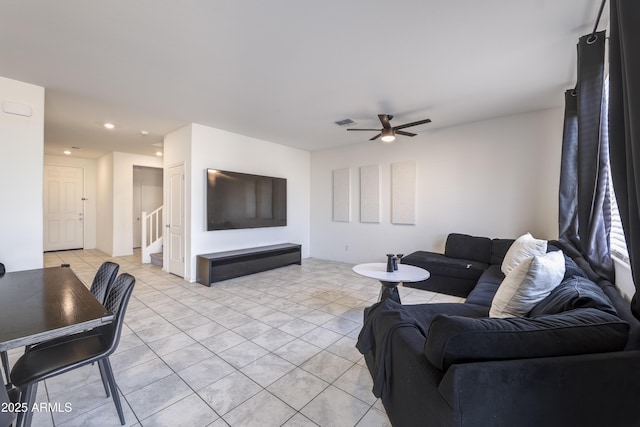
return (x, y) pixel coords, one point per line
(28, 398)
(6, 367)
(114, 390)
(103, 375)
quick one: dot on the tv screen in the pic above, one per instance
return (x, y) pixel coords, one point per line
(240, 200)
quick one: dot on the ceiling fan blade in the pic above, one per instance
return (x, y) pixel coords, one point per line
(375, 137)
(401, 132)
(375, 130)
(384, 119)
(406, 125)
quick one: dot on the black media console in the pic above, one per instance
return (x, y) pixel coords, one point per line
(226, 265)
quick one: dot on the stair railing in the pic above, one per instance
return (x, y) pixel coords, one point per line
(151, 234)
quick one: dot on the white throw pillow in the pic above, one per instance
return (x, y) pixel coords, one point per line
(528, 284)
(524, 247)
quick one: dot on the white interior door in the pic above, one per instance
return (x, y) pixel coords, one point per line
(63, 208)
(175, 222)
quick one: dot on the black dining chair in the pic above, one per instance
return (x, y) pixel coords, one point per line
(5, 366)
(103, 279)
(55, 357)
(7, 414)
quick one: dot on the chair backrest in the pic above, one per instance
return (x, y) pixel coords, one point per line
(2, 270)
(104, 278)
(116, 302)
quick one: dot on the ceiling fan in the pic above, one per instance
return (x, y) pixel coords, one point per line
(388, 132)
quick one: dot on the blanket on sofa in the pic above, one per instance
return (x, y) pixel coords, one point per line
(380, 320)
(384, 318)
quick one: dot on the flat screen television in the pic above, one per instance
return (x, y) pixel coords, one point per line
(239, 200)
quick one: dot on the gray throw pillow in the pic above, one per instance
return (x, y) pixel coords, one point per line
(576, 292)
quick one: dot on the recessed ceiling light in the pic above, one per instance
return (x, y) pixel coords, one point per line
(144, 132)
(109, 125)
(67, 152)
(159, 153)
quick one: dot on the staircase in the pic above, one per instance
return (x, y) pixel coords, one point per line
(152, 237)
(156, 259)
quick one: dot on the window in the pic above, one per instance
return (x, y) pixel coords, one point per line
(617, 242)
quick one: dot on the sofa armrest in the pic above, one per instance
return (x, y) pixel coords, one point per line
(415, 399)
(586, 390)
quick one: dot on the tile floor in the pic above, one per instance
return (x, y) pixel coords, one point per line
(271, 349)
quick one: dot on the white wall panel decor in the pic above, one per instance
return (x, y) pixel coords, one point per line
(342, 195)
(403, 192)
(370, 193)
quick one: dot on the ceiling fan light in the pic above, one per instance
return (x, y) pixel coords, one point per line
(388, 137)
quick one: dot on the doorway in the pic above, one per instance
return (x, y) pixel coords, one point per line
(147, 197)
(63, 208)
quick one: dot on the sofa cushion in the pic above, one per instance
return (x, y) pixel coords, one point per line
(441, 265)
(499, 248)
(576, 292)
(457, 339)
(524, 247)
(486, 287)
(528, 284)
(468, 247)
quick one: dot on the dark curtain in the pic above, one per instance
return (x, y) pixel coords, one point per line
(624, 125)
(585, 219)
(569, 171)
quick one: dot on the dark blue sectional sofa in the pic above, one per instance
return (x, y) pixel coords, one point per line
(574, 360)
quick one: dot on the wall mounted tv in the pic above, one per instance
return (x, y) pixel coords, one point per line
(239, 200)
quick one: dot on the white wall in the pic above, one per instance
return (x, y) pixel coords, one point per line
(21, 180)
(89, 168)
(214, 148)
(148, 183)
(104, 203)
(496, 178)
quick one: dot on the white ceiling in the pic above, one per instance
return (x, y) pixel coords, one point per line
(284, 70)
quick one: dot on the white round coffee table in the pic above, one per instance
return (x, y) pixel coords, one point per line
(390, 280)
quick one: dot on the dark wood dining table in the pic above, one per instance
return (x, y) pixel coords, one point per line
(46, 303)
